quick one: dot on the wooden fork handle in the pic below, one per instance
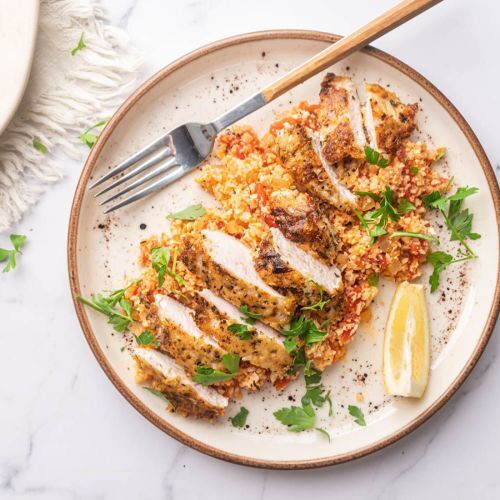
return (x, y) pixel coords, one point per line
(391, 19)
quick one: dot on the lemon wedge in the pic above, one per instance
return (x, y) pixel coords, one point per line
(406, 343)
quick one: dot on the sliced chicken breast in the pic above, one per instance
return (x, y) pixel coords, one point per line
(387, 120)
(300, 151)
(160, 373)
(285, 266)
(226, 267)
(179, 336)
(340, 120)
(263, 348)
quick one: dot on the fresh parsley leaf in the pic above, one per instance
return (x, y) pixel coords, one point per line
(373, 279)
(80, 46)
(320, 304)
(296, 418)
(356, 412)
(240, 419)
(249, 317)
(17, 241)
(146, 338)
(314, 334)
(375, 158)
(324, 433)
(90, 139)
(240, 331)
(414, 170)
(409, 234)
(290, 345)
(405, 206)
(39, 146)
(192, 212)
(439, 261)
(160, 259)
(120, 318)
(373, 196)
(434, 199)
(231, 362)
(208, 376)
(158, 393)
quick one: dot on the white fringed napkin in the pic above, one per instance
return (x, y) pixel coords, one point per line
(65, 95)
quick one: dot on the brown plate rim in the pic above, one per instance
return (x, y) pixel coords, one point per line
(73, 265)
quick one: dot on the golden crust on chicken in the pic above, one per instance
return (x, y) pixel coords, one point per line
(388, 121)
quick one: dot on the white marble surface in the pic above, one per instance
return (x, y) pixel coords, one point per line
(65, 432)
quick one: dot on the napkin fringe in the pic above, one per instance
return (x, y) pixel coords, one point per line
(90, 92)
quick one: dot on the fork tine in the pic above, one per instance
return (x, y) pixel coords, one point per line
(165, 181)
(164, 140)
(145, 178)
(156, 158)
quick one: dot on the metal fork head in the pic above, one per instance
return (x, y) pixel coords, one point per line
(161, 163)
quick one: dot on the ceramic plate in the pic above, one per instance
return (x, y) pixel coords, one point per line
(103, 251)
(18, 26)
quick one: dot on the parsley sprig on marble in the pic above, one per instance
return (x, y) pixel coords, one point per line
(207, 376)
(459, 222)
(80, 45)
(375, 221)
(10, 255)
(115, 306)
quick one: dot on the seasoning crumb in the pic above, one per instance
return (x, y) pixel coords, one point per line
(143, 226)
(360, 397)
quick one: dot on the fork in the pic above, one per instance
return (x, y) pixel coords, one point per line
(183, 148)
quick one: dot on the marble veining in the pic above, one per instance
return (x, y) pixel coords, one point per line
(66, 433)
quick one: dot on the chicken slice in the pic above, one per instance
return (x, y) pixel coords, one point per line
(285, 266)
(387, 120)
(265, 346)
(340, 120)
(160, 373)
(226, 267)
(299, 150)
(179, 336)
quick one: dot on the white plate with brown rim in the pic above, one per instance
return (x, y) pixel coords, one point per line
(103, 250)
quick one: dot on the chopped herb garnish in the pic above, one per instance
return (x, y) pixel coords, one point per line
(240, 331)
(249, 317)
(39, 146)
(17, 241)
(122, 348)
(290, 345)
(375, 221)
(160, 259)
(297, 418)
(240, 419)
(114, 306)
(414, 170)
(81, 45)
(375, 158)
(458, 221)
(90, 139)
(158, 393)
(320, 304)
(207, 376)
(373, 279)
(409, 234)
(324, 433)
(302, 328)
(146, 338)
(192, 212)
(356, 412)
